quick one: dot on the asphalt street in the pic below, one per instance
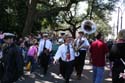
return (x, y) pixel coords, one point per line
(53, 75)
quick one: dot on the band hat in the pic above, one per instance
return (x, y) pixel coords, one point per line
(8, 35)
(80, 31)
(67, 36)
(45, 34)
(62, 33)
(61, 40)
(121, 34)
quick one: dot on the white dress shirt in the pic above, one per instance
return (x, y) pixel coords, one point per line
(61, 53)
(85, 43)
(41, 45)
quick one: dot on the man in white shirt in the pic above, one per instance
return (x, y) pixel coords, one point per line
(66, 55)
(82, 45)
(44, 49)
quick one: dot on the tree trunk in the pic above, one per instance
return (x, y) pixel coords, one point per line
(92, 8)
(30, 17)
(73, 32)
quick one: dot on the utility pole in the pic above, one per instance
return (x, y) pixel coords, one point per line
(118, 21)
(121, 20)
(120, 10)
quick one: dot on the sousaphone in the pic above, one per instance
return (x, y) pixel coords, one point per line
(88, 26)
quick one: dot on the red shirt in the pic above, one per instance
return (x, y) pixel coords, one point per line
(98, 50)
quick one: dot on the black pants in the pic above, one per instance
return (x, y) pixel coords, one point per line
(66, 69)
(1, 70)
(44, 62)
(115, 75)
(79, 62)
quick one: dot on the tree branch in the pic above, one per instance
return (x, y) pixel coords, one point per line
(78, 27)
(55, 10)
(46, 3)
(70, 17)
(62, 29)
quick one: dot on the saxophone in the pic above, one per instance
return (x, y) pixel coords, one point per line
(77, 47)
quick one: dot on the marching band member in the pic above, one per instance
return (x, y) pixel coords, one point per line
(66, 55)
(82, 45)
(12, 60)
(44, 49)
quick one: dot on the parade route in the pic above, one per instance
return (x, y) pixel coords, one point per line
(53, 76)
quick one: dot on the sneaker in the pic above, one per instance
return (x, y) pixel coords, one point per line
(21, 78)
(60, 75)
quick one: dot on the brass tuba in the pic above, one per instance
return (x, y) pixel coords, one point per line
(88, 26)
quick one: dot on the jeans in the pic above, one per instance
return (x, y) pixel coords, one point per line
(98, 74)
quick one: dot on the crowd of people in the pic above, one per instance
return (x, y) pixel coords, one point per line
(42, 49)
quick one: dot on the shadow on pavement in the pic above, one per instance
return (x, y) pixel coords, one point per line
(53, 76)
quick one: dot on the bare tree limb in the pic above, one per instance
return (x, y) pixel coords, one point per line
(69, 14)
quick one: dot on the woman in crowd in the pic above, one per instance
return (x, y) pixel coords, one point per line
(32, 54)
